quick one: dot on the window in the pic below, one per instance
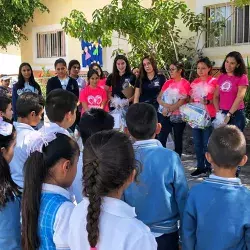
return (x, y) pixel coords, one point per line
(236, 25)
(51, 44)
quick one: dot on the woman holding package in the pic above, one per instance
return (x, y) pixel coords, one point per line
(202, 91)
(178, 88)
(149, 83)
(231, 90)
(121, 80)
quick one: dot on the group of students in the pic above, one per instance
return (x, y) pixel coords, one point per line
(131, 192)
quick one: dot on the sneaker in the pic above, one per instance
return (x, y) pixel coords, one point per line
(198, 173)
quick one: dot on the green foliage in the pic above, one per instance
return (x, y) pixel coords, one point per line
(241, 3)
(151, 30)
(247, 96)
(14, 15)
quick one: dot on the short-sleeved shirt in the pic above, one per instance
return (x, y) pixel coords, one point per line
(210, 84)
(228, 90)
(150, 89)
(94, 97)
(122, 83)
(183, 86)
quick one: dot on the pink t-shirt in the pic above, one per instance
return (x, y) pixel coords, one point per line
(94, 97)
(210, 85)
(102, 83)
(183, 85)
(228, 86)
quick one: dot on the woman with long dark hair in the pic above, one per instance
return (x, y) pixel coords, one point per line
(26, 83)
(149, 83)
(121, 78)
(231, 90)
(10, 202)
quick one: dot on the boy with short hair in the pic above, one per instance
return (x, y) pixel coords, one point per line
(217, 212)
(60, 109)
(6, 107)
(29, 109)
(91, 122)
(160, 196)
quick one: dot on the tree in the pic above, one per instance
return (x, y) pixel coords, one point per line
(241, 3)
(14, 15)
(151, 30)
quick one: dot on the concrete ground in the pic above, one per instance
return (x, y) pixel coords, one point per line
(189, 164)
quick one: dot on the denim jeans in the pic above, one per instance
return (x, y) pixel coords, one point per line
(238, 119)
(200, 138)
(168, 241)
(167, 127)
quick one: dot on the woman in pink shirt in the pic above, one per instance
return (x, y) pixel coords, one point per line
(102, 79)
(201, 136)
(176, 82)
(230, 92)
(93, 96)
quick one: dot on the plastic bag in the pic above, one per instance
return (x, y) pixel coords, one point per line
(219, 120)
(170, 142)
(196, 115)
(171, 96)
(119, 113)
(201, 90)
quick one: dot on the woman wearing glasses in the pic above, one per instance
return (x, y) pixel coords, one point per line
(174, 121)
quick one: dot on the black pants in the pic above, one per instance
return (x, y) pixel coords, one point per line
(168, 241)
(167, 127)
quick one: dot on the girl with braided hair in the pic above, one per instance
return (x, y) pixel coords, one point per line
(102, 221)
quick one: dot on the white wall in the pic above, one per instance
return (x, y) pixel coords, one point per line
(218, 54)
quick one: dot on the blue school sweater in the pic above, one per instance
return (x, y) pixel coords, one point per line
(10, 227)
(217, 216)
(160, 196)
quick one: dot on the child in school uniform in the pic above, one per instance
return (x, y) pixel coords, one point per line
(160, 196)
(93, 96)
(102, 221)
(91, 122)
(29, 110)
(6, 107)
(217, 212)
(46, 205)
(60, 107)
(10, 203)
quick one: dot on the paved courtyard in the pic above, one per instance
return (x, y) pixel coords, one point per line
(189, 164)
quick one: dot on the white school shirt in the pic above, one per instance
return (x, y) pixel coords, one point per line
(51, 127)
(24, 132)
(118, 228)
(61, 224)
(64, 82)
(77, 186)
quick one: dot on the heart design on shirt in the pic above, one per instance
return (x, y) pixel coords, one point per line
(95, 100)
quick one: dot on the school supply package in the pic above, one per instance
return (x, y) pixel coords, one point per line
(219, 120)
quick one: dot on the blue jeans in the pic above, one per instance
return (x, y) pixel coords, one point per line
(200, 138)
(238, 119)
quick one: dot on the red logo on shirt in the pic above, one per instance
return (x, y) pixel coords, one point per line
(226, 86)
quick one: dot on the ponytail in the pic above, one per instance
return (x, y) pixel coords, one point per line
(37, 169)
(35, 174)
(91, 188)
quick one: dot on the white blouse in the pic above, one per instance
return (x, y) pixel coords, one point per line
(118, 227)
